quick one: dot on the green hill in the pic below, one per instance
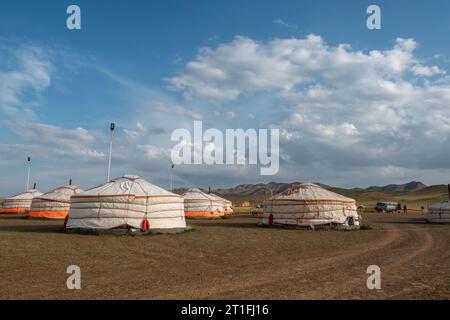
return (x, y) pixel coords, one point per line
(413, 199)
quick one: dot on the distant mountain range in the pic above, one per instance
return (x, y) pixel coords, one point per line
(407, 187)
(262, 189)
(414, 194)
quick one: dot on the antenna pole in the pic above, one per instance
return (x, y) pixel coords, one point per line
(110, 149)
(28, 172)
(171, 178)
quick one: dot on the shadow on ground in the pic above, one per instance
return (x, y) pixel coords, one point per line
(33, 228)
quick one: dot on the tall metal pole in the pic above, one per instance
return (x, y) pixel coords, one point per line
(110, 149)
(171, 178)
(28, 175)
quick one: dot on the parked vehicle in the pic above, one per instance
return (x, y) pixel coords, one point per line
(386, 207)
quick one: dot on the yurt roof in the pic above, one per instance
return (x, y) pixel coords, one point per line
(195, 193)
(61, 193)
(127, 184)
(445, 204)
(219, 197)
(310, 191)
(26, 195)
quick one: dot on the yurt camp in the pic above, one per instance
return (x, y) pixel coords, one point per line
(228, 205)
(309, 205)
(440, 212)
(198, 204)
(53, 204)
(127, 203)
(20, 203)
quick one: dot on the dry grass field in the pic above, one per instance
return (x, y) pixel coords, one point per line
(228, 259)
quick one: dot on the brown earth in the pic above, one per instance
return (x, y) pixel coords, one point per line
(228, 259)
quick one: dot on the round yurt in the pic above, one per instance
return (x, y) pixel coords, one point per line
(53, 204)
(228, 205)
(440, 212)
(20, 203)
(127, 203)
(198, 204)
(309, 205)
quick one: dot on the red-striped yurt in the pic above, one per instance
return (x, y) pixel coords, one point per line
(308, 204)
(128, 202)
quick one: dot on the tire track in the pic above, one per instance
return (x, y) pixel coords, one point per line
(299, 268)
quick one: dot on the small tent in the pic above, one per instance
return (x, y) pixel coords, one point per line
(308, 204)
(198, 204)
(228, 205)
(53, 204)
(20, 203)
(127, 202)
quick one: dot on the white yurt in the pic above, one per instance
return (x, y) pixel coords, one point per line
(128, 202)
(54, 204)
(308, 204)
(228, 205)
(198, 204)
(440, 212)
(20, 203)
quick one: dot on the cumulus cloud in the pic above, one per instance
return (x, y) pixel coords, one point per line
(152, 152)
(290, 65)
(25, 73)
(344, 107)
(46, 141)
(346, 116)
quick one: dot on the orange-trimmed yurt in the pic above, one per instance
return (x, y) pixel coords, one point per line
(127, 203)
(20, 203)
(54, 204)
(228, 205)
(310, 205)
(198, 204)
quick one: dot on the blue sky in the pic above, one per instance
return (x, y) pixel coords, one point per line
(132, 63)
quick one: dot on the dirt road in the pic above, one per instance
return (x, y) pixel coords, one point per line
(228, 259)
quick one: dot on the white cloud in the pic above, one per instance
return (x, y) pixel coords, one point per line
(284, 65)
(47, 141)
(427, 71)
(25, 73)
(152, 152)
(282, 23)
(131, 134)
(344, 106)
(347, 116)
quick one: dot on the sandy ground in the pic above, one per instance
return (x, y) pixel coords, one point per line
(228, 259)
